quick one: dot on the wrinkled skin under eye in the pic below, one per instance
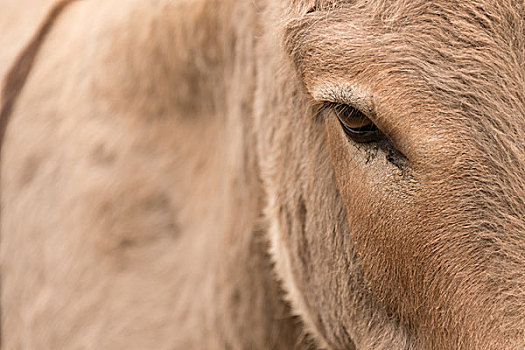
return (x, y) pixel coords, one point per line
(356, 125)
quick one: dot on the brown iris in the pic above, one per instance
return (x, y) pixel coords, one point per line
(356, 125)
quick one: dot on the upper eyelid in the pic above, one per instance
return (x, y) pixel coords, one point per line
(345, 94)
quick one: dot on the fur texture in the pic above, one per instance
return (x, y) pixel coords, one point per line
(169, 181)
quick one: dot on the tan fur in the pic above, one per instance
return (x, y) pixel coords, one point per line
(16, 77)
(19, 19)
(169, 181)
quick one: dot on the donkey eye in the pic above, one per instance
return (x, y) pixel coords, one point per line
(356, 125)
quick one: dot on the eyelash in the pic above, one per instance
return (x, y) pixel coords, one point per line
(357, 126)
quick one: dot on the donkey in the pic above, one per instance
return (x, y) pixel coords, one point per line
(229, 174)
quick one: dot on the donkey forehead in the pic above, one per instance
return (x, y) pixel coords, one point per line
(462, 57)
(446, 34)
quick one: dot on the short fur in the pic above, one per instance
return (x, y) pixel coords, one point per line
(16, 77)
(169, 180)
